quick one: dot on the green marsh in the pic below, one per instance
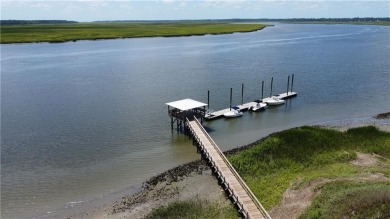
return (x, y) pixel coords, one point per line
(94, 31)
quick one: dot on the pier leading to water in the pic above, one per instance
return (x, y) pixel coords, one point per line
(185, 113)
(230, 180)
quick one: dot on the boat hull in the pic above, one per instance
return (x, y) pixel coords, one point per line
(258, 107)
(275, 103)
(232, 114)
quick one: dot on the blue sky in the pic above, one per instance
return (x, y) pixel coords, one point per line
(90, 10)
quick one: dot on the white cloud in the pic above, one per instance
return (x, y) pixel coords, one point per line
(168, 1)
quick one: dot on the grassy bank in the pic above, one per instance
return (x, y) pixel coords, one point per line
(95, 31)
(351, 200)
(295, 158)
(301, 155)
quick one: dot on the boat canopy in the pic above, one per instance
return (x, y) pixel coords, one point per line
(186, 104)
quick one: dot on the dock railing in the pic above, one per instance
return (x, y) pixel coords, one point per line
(236, 175)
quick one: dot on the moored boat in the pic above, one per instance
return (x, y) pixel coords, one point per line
(234, 112)
(273, 101)
(257, 107)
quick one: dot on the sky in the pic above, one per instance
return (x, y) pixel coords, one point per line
(98, 10)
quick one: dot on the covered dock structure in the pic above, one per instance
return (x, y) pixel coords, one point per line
(181, 110)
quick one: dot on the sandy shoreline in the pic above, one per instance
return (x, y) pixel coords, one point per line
(190, 181)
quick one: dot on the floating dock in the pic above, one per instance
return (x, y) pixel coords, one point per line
(282, 96)
(230, 180)
(245, 106)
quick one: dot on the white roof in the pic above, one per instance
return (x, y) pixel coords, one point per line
(186, 104)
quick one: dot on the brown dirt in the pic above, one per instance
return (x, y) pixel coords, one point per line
(295, 201)
(365, 160)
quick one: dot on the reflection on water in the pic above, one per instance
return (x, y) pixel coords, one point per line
(84, 119)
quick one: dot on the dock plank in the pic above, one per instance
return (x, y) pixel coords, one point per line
(250, 205)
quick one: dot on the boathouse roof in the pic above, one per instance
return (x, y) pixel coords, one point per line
(186, 104)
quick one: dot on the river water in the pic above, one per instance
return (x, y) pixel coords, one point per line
(82, 120)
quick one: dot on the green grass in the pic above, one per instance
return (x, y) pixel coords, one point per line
(351, 200)
(305, 154)
(94, 31)
(193, 209)
(298, 156)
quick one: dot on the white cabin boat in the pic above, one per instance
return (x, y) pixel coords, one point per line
(233, 113)
(273, 101)
(257, 107)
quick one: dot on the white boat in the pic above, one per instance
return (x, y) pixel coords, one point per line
(257, 107)
(234, 112)
(272, 101)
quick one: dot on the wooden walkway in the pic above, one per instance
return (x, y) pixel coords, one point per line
(231, 181)
(245, 106)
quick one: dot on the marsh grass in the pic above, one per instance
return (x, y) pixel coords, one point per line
(306, 153)
(196, 208)
(295, 157)
(94, 31)
(351, 200)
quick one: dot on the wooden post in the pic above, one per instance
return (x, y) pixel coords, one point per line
(242, 94)
(231, 93)
(208, 99)
(201, 117)
(262, 91)
(272, 81)
(171, 118)
(288, 83)
(292, 83)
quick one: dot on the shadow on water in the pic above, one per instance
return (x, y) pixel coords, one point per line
(208, 129)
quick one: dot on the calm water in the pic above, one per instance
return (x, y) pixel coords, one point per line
(82, 120)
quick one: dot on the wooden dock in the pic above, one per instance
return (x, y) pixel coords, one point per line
(230, 180)
(283, 96)
(245, 106)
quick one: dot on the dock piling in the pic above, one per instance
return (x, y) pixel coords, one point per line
(288, 83)
(242, 94)
(208, 99)
(231, 93)
(292, 82)
(262, 90)
(272, 81)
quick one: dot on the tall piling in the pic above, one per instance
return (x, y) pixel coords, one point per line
(231, 93)
(292, 82)
(242, 94)
(288, 83)
(262, 90)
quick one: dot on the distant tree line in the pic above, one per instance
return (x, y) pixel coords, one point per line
(24, 22)
(357, 19)
(343, 20)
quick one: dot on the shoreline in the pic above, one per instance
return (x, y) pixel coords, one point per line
(111, 31)
(193, 180)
